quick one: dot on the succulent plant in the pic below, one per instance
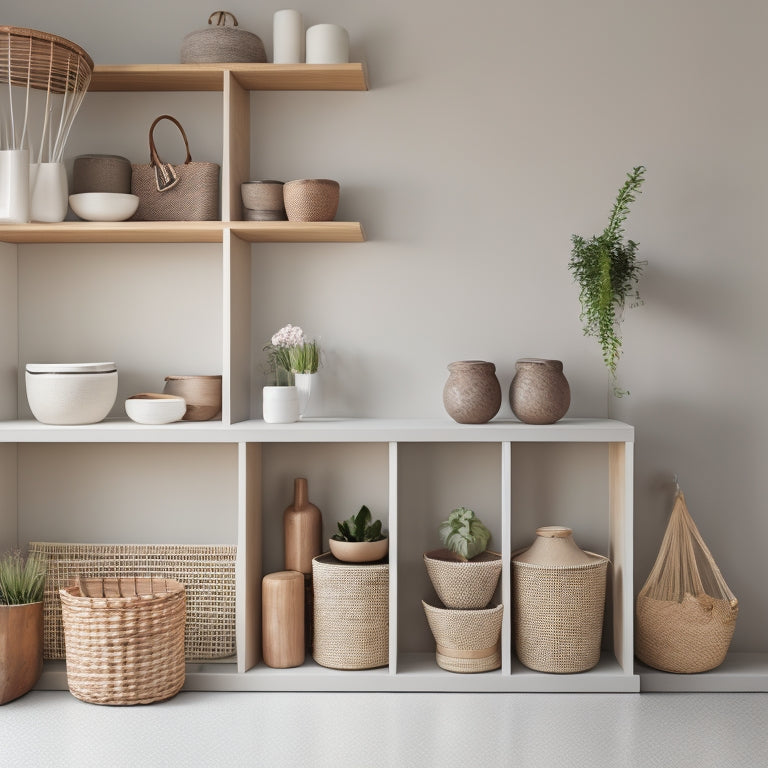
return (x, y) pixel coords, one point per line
(359, 528)
(464, 533)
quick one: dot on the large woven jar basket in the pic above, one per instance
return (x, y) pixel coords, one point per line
(350, 613)
(557, 614)
(463, 583)
(467, 640)
(124, 639)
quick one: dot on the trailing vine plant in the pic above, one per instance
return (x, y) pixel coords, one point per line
(607, 271)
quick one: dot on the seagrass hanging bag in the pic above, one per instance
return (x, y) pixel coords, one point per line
(185, 192)
(686, 614)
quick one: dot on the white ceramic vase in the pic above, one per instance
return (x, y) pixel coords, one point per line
(288, 37)
(14, 186)
(303, 389)
(48, 192)
(280, 405)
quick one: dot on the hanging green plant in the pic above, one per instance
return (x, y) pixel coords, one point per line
(607, 271)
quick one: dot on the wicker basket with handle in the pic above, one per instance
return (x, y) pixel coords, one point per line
(166, 192)
(125, 639)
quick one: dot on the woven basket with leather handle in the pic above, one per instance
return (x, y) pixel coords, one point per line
(166, 192)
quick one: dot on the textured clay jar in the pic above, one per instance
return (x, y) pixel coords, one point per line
(472, 394)
(539, 393)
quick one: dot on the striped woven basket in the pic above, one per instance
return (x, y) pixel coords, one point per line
(350, 613)
(125, 639)
(467, 640)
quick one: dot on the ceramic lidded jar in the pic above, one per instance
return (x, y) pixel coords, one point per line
(539, 392)
(472, 393)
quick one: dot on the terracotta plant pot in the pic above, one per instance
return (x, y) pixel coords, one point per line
(21, 649)
(472, 393)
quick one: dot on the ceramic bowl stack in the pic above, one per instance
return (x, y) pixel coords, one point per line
(101, 188)
(263, 200)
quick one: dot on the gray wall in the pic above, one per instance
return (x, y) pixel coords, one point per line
(492, 132)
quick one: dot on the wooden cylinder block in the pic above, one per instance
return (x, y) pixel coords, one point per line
(282, 625)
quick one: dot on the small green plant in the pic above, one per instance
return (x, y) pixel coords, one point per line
(464, 533)
(359, 528)
(291, 352)
(607, 271)
(21, 581)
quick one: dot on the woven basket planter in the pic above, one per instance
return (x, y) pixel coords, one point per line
(558, 614)
(124, 639)
(467, 640)
(350, 614)
(686, 637)
(463, 583)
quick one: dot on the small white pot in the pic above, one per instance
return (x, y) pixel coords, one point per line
(48, 192)
(75, 393)
(280, 405)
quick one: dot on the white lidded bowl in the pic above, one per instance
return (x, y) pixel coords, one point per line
(104, 206)
(71, 393)
(154, 408)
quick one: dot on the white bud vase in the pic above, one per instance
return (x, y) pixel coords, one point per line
(304, 390)
(48, 199)
(14, 186)
(280, 405)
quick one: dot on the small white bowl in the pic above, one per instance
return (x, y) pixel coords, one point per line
(104, 206)
(153, 408)
(71, 393)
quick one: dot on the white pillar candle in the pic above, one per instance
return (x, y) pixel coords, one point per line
(287, 37)
(327, 44)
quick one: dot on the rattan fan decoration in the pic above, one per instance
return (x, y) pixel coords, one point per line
(686, 614)
(44, 79)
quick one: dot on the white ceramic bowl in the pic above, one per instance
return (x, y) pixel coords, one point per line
(104, 206)
(153, 408)
(71, 393)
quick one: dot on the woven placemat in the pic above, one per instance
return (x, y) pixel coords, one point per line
(207, 573)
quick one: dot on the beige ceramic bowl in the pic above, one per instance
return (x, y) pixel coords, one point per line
(359, 551)
(154, 408)
(202, 394)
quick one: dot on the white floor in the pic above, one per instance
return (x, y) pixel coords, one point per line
(368, 730)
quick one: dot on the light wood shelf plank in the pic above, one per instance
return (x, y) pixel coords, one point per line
(299, 232)
(210, 77)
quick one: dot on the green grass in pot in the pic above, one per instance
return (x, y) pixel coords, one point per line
(22, 580)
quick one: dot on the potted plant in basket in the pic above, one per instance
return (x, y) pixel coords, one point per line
(358, 539)
(22, 584)
(607, 271)
(293, 360)
(465, 575)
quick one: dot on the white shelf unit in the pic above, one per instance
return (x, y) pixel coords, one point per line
(395, 451)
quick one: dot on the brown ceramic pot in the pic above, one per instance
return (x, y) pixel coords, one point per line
(21, 649)
(202, 393)
(539, 393)
(472, 394)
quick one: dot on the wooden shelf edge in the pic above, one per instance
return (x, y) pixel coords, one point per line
(210, 77)
(183, 232)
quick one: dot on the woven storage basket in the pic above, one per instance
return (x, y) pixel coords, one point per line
(463, 583)
(311, 199)
(207, 573)
(351, 613)
(467, 640)
(686, 614)
(125, 639)
(220, 42)
(558, 614)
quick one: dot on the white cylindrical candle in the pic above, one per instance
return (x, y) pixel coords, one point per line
(327, 44)
(287, 37)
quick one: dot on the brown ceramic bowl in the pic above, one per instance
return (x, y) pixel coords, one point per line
(311, 199)
(202, 394)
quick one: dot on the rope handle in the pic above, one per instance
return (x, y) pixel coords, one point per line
(221, 18)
